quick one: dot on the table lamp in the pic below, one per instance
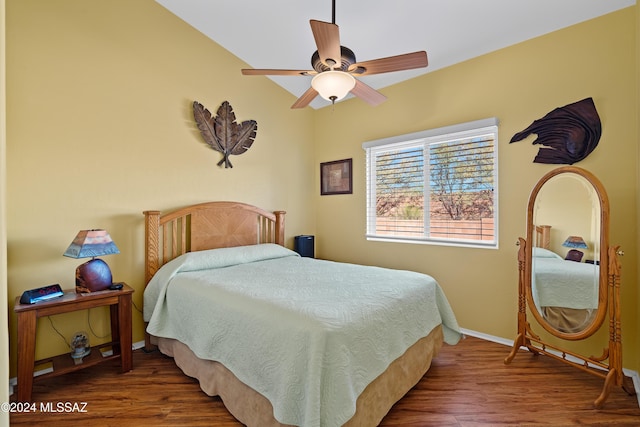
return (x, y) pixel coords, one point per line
(94, 275)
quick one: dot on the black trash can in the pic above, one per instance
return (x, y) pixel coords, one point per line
(305, 246)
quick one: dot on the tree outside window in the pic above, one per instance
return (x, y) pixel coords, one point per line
(437, 188)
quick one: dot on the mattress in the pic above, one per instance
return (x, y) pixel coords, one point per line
(308, 335)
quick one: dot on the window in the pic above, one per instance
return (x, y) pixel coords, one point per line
(437, 186)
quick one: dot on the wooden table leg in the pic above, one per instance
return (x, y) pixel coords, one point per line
(115, 327)
(124, 316)
(26, 353)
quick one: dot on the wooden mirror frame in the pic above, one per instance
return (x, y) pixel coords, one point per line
(601, 312)
(608, 300)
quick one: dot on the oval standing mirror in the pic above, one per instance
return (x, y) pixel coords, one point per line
(569, 277)
(567, 227)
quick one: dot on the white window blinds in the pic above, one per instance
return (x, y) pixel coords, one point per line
(437, 186)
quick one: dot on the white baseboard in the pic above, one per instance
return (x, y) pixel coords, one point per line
(487, 337)
(635, 377)
(14, 381)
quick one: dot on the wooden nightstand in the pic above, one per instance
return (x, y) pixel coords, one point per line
(119, 302)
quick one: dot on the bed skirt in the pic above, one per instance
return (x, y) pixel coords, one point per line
(253, 409)
(569, 320)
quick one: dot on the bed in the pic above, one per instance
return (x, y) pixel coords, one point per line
(565, 291)
(284, 339)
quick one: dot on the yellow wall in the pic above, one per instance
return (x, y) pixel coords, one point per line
(637, 189)
(517, 85)
(4, 337)
(99, 129)
(572, 207)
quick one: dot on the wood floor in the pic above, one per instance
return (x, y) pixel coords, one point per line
(467, 385)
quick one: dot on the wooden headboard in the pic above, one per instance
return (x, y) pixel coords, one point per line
(207, 226)
(543, 236)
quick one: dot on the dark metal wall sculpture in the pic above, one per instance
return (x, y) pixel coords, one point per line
(222, 133)
(569, 134)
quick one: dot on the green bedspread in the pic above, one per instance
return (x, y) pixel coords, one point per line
(557, 282)
(307, 334)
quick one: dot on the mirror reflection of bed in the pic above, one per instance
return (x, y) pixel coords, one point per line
(564, 291)
(565, 287)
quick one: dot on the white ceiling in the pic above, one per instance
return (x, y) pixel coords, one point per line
(276, 34)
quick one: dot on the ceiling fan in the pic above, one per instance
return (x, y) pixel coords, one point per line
(335, 68)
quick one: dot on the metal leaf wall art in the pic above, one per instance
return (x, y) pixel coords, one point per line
(222, 133)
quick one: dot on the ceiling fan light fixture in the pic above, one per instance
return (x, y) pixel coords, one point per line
(333, 85)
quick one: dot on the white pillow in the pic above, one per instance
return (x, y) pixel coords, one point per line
(544, 253)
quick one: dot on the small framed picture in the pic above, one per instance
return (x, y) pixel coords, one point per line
(335, 177)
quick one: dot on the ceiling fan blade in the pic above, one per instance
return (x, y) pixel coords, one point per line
(368, 94)
(327, 37)
(306, 98)
(276, 72)
(407, 61)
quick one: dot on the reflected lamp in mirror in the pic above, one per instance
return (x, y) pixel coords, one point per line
(94, 275)
(575, 243)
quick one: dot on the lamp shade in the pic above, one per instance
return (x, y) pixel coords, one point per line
(94, 275)
(575, 242)
(91, 243)
(333, 85)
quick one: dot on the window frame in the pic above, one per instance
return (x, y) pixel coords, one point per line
(424, 139)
